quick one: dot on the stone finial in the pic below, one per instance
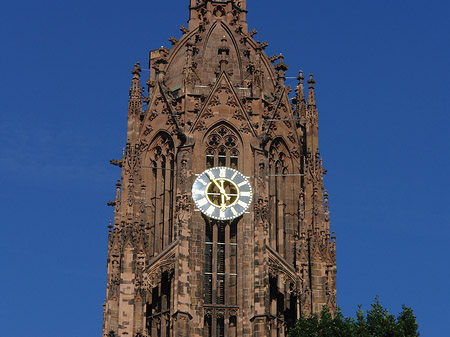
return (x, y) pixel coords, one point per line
(311, 95)
(300, 78)
(173, 40)
(135, 101)
(136, 70)
(281, 66)
(184, 30)
(299, 90)
(253, 32)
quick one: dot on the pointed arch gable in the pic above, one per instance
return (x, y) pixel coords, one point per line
(234, 43)
(161, 144)
(279, 146)
(223, 82)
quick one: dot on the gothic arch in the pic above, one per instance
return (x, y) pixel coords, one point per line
(279, 153)
(280, 197)
(210, 44)
(158, 184)
(223, 145)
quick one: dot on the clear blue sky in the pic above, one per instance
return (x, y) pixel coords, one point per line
(383, 85)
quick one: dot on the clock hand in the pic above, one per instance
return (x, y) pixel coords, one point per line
(223, 205)
(211, 177)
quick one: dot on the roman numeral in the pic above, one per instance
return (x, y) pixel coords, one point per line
(233, 210)
(242, 183)
(202, 202)
(245, 194)
(222, 173)
(234, 175)
(243, 204)
(210, 210)
(210, 175)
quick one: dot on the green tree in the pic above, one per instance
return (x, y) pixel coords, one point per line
(376, 323)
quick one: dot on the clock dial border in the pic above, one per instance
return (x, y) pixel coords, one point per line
(203, 182)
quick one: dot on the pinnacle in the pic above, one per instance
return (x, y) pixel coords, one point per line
(136, 70)
(311, 81)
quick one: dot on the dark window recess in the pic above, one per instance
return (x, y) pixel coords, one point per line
(220, 327)
(232, 329)
(158, 307)
(222, 159)
(221, 233)
(233, 257)
(208, 289)
(209, 161)
(208, 257)
(234, 162)
(220, 289)
(209, 232)
(208, 326)
(221, 258)
(220, 277)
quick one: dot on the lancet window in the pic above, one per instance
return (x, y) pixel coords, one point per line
(158, 307)
(160, 176)
(279, 187)
(222, 147)
(221, 246)
(283, 306)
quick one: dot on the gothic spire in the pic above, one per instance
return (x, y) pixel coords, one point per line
(311, 94)
(281, 68)
(300, 102)
(135, 102)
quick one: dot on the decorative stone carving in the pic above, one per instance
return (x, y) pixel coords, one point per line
(183, 209)
(262, 210)
(201, 126)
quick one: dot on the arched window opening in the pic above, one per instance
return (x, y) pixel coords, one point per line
(158, 307)
(220, 273)
(220, 287)
(160, 178)
(279, 170)
(222, 149)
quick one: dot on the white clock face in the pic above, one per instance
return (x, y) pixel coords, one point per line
(222, 193)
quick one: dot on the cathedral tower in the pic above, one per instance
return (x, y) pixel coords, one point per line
(221, 224)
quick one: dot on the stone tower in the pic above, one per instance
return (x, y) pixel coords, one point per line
(215, 99)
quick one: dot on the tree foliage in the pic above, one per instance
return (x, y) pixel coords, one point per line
(376, 323)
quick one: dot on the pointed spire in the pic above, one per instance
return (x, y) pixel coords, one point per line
(281, 69)
(299, 100)
(300, 89)
(135, 102)
(311, 94)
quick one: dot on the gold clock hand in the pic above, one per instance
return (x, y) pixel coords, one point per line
(224, 193)
(213, 179)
